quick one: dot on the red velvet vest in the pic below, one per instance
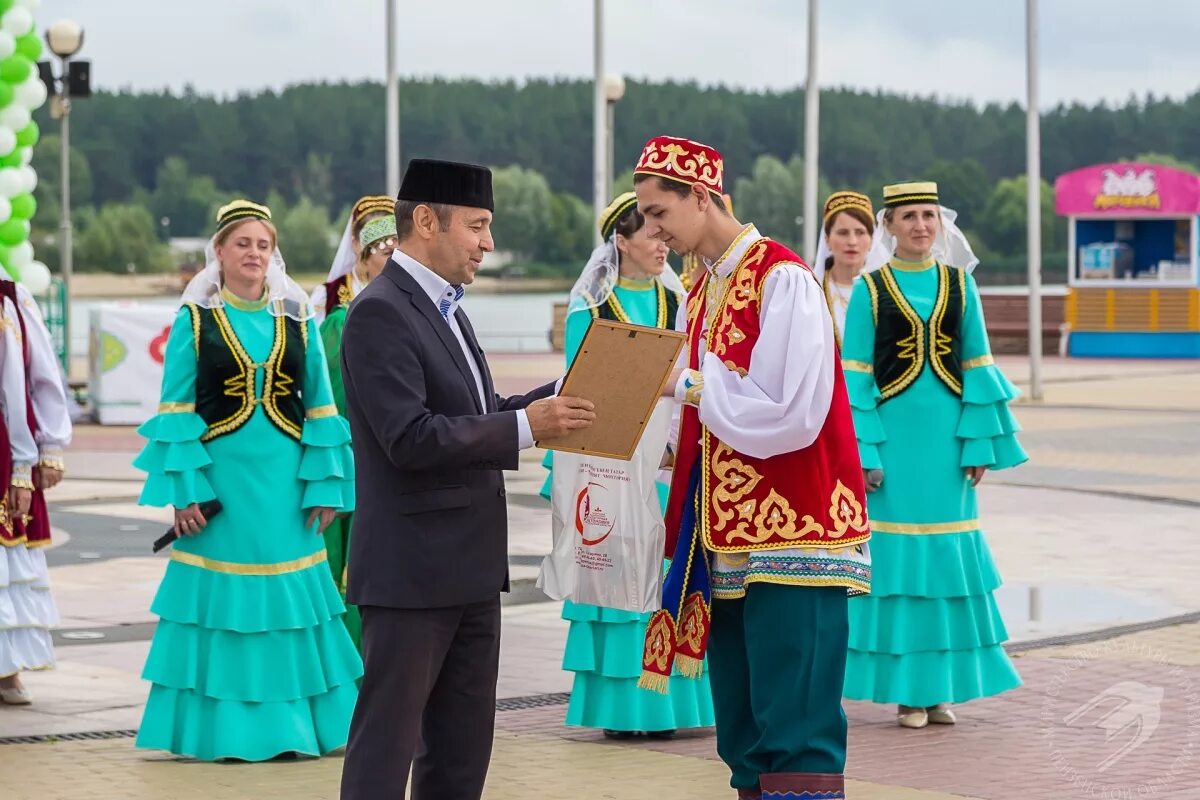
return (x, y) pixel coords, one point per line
(805, 498)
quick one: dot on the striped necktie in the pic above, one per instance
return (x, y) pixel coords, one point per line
(446, 301)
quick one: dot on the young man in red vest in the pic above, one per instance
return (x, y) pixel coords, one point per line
(767, 514)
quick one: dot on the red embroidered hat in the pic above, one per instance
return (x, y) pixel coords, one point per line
(683, 160)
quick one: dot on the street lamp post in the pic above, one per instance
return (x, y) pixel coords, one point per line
(599, 117)
(614, 90)
(812, 108)
(1033, 201)
(392, 105)
(65, 38)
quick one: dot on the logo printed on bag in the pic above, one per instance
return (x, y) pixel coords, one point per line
(590, 517)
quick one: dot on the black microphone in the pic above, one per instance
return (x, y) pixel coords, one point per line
(209, 510)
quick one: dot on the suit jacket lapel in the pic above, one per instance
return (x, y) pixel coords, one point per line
(489, 389)
(441, 327)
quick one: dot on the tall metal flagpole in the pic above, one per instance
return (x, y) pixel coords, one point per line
(812, 104)
(1033, 170)
(393, 105)
(599, 120)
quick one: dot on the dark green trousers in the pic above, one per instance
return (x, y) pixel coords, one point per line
(777, 663)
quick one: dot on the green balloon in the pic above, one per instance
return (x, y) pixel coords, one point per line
(13, 159)
(5, 5)
(15, 69)
(30, 46)
(13, 232)
(29, 135)
(24, 206)
(4, 256)
(6, 94)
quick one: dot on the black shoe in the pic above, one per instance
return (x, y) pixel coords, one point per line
(662, 736)
(619, 736)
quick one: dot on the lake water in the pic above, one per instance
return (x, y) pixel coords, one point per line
(513, 323)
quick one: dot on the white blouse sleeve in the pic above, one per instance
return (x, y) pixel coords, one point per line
(781, 404)
(45, 384)
(12, 397)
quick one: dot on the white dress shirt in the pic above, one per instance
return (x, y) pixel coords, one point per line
(440, 291)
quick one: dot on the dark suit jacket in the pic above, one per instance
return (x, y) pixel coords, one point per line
(431, 524)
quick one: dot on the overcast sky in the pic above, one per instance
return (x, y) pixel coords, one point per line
(961, 49)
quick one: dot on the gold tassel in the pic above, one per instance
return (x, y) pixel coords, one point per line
(689, 667)
(654, 682)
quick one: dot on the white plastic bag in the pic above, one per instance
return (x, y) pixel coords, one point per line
(608, 526)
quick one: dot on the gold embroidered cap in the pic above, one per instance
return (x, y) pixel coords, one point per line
(905, 194)
(371, 204)
(241, 209)
(684, 161)
(844, 201)
(610, 215)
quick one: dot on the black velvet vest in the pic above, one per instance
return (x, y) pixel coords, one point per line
(225, 375)
(904, 342)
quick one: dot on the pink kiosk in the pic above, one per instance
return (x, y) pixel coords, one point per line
(1133, 246)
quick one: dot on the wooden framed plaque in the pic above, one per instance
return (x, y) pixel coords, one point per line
(622, 369)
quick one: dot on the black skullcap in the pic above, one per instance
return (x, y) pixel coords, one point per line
(447, 182)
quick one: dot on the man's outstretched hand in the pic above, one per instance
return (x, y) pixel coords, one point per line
(553, 417)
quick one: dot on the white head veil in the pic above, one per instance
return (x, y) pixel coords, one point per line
(599, 277)
(284, 295)
(950, 246)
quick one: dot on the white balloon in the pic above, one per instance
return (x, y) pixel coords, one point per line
(28, 5)
(8, 45)
(17, 21)
(26, 156)
(35, 276)
(8, 141)
(28, 179)
(11, 182)
(5, 210)
(20, 256)
(15, 116)
(32, 93)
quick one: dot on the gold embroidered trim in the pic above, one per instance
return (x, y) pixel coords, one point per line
(982, 361)
(911, 266)
(939, 343)
(692, 395)
(962, 526)
(176, 408)
(239, 386)
(635, 285)
(233, 568)
(321, 412)
(745, 232)
(241, 303)
(22, 483)
(195, 314)
(276, 383)
(873, 291)
(52, 462)
(912, 347)
(850, 365)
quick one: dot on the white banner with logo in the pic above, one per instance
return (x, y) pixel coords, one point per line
(125, 353)
(608, 526)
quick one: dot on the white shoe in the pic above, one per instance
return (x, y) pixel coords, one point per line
(941, 714)
(915, 718)
(16, 696)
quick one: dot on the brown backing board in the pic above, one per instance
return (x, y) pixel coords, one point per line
(622, 368)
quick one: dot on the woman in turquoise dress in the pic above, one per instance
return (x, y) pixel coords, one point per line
(627, 280)
(377, 240)
(250, 659)
(931, 413)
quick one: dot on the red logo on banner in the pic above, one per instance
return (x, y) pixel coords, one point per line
(590, 517)
(158, 344)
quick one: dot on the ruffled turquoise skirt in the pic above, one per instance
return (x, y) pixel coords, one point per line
(930, 631)
(242, 665)
(604, 650)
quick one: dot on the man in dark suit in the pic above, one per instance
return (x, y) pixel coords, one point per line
(429, 548)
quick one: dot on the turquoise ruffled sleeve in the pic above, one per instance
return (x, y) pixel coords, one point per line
(174, 459)
(327, 464)
(858, 363)
(987, 427)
